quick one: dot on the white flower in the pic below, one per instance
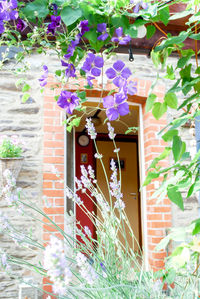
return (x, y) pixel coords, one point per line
(98, 156)
(119, 204)
(87, 231)
(111, 133)
(91, 129)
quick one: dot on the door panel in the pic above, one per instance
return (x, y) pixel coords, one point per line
(130, 184)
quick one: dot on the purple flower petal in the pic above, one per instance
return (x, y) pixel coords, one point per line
(103, 36)
(123, 109)
(112, 114)
(89, 78)
(119, 98)
(136, 8)
(95, 72)
(101, 27)
(98, 61)
(108, 102)
(68, 101)
(126, 39)
(111, 73)
(132, 89)
(118, 81)
(119, 31)
(114, 39)
(118, 65)
(126, 73)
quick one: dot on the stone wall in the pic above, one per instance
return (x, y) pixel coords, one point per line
(26, 121)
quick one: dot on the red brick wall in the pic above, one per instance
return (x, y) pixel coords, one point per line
(158, 215)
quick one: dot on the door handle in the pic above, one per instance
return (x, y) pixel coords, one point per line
(134, 194)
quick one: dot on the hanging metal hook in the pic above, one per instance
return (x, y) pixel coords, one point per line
(130, 51)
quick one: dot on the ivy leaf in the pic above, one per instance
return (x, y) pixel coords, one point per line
(175, 196)
(178, 148)
(36, 9)
(151, 29)
(171, 100)
(169, 135)
(150, 101)
(159, 109)
(70, 15)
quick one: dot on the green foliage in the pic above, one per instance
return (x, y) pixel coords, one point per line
(9, 150)
(70, 15)
(35, 10)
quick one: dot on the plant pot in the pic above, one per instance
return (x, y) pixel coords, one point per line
(13, 164)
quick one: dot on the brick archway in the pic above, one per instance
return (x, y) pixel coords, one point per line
(158, 217)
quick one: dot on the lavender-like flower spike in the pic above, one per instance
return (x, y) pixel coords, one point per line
(90, 128)
(111, 133)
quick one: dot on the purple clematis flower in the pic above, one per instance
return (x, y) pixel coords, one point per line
(83, 27)
(72, 46)
(120, 39)
(93, 64)
(116, 105)
(70, 70)
(43, 78)
(89, 80)
(7, 10)
(68, 101)
(21, 25)
(55, 22)
(138, 4)
(102, 28)
(129, 88)
(119, 73)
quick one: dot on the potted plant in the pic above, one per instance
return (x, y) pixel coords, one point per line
(11, 149)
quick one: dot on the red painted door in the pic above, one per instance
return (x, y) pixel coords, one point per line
(84, 156)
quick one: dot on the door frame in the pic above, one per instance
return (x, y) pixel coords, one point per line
(69, 160)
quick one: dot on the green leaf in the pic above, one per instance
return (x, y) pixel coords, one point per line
(36, 9)
(121, 21)
(180, 15)
(172, 40)
(151, 29)
(155, 56)
(164, 15)
(171, 100)
(195, 36)
(175, 196)
(26, 87)
(70, 15)
(150, 176)
(159, 109)
(25, 97)
(196, 229)
(150, 101)
(170, 73)
(132, 31)
(178, 148)
(169, 135)
(182, 62)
